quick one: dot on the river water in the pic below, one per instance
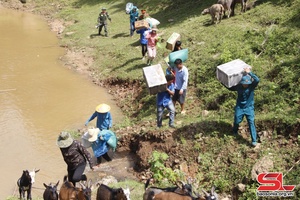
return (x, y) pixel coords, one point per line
(38, 99)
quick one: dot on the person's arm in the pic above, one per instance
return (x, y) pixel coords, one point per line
(110, 119)
(147, 36)
(255, 79)
(106, 136)
(86, 154)
(171, 90)
(108, 17)
(91, 118)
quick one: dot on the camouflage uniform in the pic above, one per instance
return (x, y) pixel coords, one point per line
(102, 20)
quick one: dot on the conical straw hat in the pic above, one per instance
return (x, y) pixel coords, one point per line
(103, 108)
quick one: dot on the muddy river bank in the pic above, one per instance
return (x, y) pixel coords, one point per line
(39, 98)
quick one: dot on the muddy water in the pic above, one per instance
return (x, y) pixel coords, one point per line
(38, 99)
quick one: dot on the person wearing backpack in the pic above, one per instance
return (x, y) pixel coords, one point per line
(102, 20)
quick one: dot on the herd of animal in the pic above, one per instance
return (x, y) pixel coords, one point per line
(217, 11)
(69, 192)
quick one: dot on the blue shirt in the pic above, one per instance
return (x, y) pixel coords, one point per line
(181, 78)
(143, 40)
(246, 95)
(100, 146)
(104, 120)
(133, 15)
(163, 98)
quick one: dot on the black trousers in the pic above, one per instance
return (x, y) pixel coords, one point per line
(105, 156)
(76, 174)
(144, 49)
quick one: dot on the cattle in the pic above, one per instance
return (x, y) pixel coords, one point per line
(226, 5)
(243, 5)
(69, 192)
(25, 183)
(50, 192)
(216, 12)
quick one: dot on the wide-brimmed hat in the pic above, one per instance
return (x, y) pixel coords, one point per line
(92, 134)
(64, 140)
(103, 108)
(103, 9)
(246, 80)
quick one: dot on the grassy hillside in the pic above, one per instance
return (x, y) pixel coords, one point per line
(266, 37)
(263, 38)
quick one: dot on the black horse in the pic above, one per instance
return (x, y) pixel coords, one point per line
(25, 184)
(50, 192)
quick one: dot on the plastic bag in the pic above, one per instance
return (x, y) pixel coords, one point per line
(152, 21)
(113, 140)
(182, 54)
(128, 7)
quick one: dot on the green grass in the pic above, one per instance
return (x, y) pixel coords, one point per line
(266, 37)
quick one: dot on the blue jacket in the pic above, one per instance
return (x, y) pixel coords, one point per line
(104, 120)
(133, 15)
(245, 97)
(100, 146)
(143, 40)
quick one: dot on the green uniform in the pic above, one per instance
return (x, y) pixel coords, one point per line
(102, 20)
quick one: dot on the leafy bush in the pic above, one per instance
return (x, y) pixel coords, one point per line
(161, 173)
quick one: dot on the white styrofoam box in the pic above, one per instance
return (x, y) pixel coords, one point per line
(155, 79)
(231, 73)
(172, 40)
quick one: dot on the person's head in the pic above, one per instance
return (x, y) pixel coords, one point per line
(102, 108)
(178, 63)
(177, 44)
(64, 140)
(134, 9)
(154, 30)
(246, 81)
(169, 79)
(143, 11)
(103, 9)
(92, 135)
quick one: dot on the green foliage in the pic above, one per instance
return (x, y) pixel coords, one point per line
(160, 171)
